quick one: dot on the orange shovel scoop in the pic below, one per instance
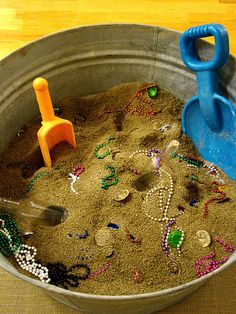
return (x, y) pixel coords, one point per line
(54, 130)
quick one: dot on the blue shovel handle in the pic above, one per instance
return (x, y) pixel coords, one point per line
(206, 71)
(221, 47)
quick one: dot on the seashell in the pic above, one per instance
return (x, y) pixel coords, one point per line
(109, 251)
(123, 194)
(104, 237)
(27, 234)
(165, 128)
(174, 267)
(204, 238)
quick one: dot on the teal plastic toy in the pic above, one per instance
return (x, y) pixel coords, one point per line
(209, 119)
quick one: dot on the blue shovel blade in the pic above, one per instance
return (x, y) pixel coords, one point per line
(216, 147)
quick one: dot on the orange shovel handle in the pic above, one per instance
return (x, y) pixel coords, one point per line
(44, 100)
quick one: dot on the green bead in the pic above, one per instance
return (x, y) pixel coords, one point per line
(57, 110)
(175, 238)
(152, 92)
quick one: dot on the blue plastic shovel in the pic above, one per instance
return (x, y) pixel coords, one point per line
(209, 119)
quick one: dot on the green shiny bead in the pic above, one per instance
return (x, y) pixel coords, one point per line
(175, 237)
(152, 92)
(57, 110)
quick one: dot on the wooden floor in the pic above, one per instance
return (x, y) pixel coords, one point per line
(22, 21)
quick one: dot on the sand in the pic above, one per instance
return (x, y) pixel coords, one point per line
(132, 268)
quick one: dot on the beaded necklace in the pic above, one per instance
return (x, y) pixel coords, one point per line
(100, 271)
(108, 152)
(74, 176)
(222, 196)
(32, 182)
(190, 160)
(140, 110)
(10, 244)
(206, 264)
(213, 171)
(194, 162)
(55, 273)
(170, 238)
(107, 181)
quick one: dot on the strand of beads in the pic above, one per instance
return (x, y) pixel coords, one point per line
(106, 182)
(192, 162)
(74, 176)
(136, 276)
(82, 236)
(170, 238)
(32, 182)
(152, 152)
(212, 199)
(145, 112)
(150, 91)
(25, 257)
(203, 267)
(160, 188)
(62, 276)
(227, 246)
(10, 244)
(131, 238)
(156, 164)
(100, 271)
(10, 239)
(164, 242)
(108, 152)
(213, 171)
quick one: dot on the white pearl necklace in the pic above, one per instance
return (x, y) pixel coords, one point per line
(142, 152)
(73, 179)
(25, 257)
(164, 207)
(160, 188)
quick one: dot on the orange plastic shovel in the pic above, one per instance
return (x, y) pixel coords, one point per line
(54, 130)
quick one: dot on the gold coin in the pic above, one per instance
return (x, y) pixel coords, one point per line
(104, 237)
(123, 194)
(204, 238)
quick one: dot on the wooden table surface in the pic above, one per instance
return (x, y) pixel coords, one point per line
(23, 21)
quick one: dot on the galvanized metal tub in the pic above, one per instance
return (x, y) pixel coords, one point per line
(88, 60)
